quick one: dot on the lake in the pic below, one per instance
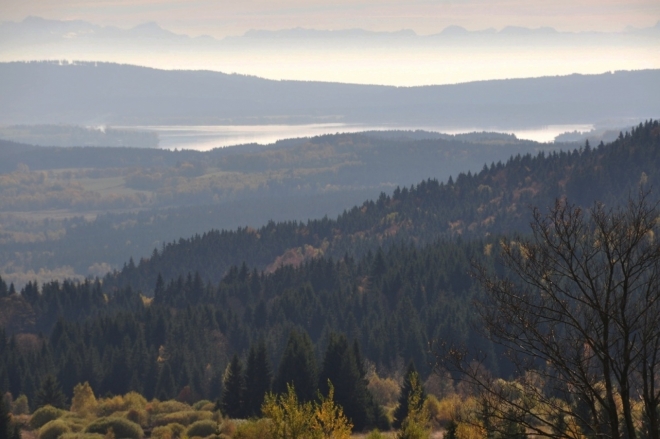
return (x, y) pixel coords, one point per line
(204, 138)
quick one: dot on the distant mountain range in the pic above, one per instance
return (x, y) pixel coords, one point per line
(36, 29)
(112, 94)
(402, 57)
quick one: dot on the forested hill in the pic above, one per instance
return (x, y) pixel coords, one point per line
(103, 93)
(391, 302)
(495, 200)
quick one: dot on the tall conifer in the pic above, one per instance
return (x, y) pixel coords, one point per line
(298, 367)
(232, 402)
(342, 366)
(50, 393)
(259, 377)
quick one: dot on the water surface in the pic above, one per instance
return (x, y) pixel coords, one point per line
(204, 138)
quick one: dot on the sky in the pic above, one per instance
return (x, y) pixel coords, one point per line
(220, 18)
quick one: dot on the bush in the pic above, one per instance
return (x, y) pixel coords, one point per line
(134, 401)
(82, 436)
(75, 422)
(130, 401)
(121, 427)
(442, 411)
(108, 406)
(385, 390)
(204, 404)
(44, 415)
(162, 432)
(202, 428)
(156, 407)
(53, 429)
(83, 401)
(177, 429)
(21, 406)
(184, 418)
(171, 431)
(375, 434)
(259, 429)
(138, 416)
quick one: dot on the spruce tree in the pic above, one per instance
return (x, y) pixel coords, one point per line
(50, 393)
(343, 368)
(165, 386)
(402, 409)
(232, 403)
(258, 379)
(298, 367)
(6, 428)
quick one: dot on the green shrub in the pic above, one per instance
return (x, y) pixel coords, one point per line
(202, 428)
(121, 427)
(44, 415)
(53, 429)
(184, 418)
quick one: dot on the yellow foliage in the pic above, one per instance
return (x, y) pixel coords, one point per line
(291, 419)
(130, 401)
(416, 424)
(177, 430)
(469, 431)
(156, 407)
(162, 432)
(385, 390)
(258, 429)
(53, 429)
(329, 419)
(444, 410)
(83, 401)
(108, 406)
(185, 417)
(134, 401)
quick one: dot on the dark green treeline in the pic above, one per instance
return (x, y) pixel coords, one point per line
(390, 303)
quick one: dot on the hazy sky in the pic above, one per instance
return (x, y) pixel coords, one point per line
(233, 17)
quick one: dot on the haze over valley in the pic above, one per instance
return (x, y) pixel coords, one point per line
(329, 219)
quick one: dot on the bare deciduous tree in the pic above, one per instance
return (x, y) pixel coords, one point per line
(579, 313)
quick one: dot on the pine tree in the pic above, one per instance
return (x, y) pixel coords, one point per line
(50, 393)
(407, 389)
(298, 367)
(258, 379)
(232, 403)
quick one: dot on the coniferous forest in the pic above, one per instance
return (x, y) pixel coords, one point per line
(340, 324)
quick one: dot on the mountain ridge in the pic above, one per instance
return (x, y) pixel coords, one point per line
(64, 27)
